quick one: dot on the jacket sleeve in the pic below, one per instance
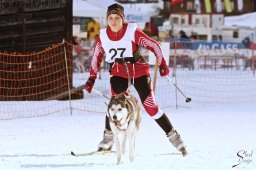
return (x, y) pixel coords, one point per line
(97, 57)
(144, 40)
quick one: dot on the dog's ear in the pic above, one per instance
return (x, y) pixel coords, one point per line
(110, 102)
(122, 97)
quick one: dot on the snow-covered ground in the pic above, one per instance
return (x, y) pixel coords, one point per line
(214, 135)
(213, 138)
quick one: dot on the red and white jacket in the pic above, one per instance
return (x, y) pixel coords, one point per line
(108, 37)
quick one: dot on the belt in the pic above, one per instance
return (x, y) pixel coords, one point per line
(127, 59)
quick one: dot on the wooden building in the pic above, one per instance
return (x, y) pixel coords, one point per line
(28, 26)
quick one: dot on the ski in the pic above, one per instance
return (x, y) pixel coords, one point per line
(166, 154)
(103, 152)
(160, 154)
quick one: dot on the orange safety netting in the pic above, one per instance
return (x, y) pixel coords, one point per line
(38, 75)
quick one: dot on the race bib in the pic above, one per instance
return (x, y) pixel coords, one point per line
(121, 48)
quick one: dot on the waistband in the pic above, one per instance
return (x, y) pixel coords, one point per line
(127, 59)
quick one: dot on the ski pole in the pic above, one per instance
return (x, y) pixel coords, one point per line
(99, 93)
(175, 85)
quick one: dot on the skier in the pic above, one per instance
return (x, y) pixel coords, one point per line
(120, 41)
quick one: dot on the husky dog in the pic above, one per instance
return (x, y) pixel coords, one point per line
(125, 117)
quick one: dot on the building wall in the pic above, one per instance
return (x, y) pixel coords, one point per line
(188, 6)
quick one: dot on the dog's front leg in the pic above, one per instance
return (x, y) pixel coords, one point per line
(118, 149)
(131, 139)
(123, 143)
(117, 143)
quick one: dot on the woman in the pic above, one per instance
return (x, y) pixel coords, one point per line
(120, 42)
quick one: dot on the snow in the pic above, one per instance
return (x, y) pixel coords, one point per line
(213, 136)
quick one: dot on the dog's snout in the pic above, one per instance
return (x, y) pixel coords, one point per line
(114, 117)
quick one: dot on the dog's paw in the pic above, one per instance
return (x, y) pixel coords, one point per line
(131, 157)
(183, 151)
(119, 162)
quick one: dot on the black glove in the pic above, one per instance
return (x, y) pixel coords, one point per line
(89, 84)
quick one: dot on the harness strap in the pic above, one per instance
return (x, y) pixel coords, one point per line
(129, 77)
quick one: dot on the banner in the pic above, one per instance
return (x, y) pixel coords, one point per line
(198, 6)
(173, 2)
(208, 7)
(218, 45)
(228, 6)
(218, 6)
(240, 4)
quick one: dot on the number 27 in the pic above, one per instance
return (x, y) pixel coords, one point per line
(114, 51)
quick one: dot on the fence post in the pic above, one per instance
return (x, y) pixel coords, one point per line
(252, 48)
(66, 62)
(174, 70)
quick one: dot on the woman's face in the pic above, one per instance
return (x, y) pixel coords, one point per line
(115, 22)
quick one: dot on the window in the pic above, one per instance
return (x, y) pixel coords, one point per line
(197, 21)
(175, 20)
(202, 37)
(216, 38)
(235, 34)
(190, 6)
(183, 21)
(220, 37)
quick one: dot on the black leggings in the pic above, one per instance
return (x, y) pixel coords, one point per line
(142, 85)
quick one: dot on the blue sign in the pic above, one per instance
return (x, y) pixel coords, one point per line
(137, 18)
(216, 45)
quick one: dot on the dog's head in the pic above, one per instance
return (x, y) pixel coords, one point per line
(118, 109)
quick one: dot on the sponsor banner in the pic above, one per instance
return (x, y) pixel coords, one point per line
(208, 7)
(240, 4)
(228, 6)
(219, 6)
(201, 45)
(217, 45)
(198, 6)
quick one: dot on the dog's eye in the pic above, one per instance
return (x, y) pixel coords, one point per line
(120, 109)
(112, 109)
